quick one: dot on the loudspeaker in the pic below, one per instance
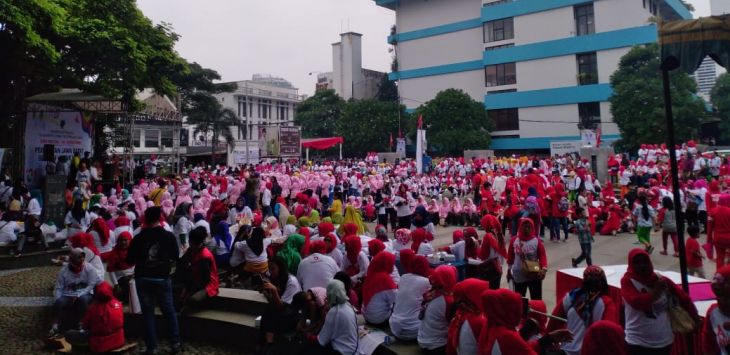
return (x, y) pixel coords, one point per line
(49, 152)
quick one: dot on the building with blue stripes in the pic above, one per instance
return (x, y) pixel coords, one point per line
(541, 67)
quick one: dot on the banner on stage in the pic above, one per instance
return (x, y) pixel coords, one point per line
(565, 147)
(68, 131)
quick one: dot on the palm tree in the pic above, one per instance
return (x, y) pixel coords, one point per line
(209, 116)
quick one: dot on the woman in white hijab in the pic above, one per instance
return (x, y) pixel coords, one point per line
(339, 333)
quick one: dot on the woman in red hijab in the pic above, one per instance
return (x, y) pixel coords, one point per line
(120, 271)
(437, 313)
(492, 253)
(647, 299)
(375, 246)
(355, 263)
(406, 259)
(613, 222)
(421, 241)
(103, 322)
(102, 237)
(468, 319)
(524, 250)
(330, 240)
(379, 291)
(405, 322)
(604, 338)
(715, 331)
(719, 225)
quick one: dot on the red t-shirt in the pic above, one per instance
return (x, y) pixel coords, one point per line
(692, 249)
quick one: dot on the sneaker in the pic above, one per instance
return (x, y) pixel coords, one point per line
(650, 249)
(663, 252)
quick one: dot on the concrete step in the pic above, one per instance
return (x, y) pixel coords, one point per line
(240, 301)
(31, 259)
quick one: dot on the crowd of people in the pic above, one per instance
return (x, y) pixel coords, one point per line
(298, 234)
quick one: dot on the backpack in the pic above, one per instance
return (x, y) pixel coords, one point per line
(532, 207)
(669, 224)
(563, 204)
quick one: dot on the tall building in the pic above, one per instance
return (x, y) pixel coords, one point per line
(719, 7)
(541, 67)
(263, 100)
(348, 78)
(706, 76)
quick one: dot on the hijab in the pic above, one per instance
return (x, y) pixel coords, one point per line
(406, 259)
(336, 294)
(352, 216)
(381, 233)
(353, 246)
(101, 228)
(520, 234)
(457, 236)
(419, 235)
(423, 217)
(256, 241)
(584, 299)
(503, 309)
(333, 242)
(375, 246)
(443, 280)
(378, 276)
(83, 240)
(650, 279)
(222, 234)
(318, 246)
(403, 236)
(325, 228)
(119, 258)
(291, 252)
(420, 266)
(467, 300)
(320, 295)
(604, 338)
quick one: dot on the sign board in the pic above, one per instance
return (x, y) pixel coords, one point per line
(588, 137)
(290, 141)
(239, 155)
(68, 131)
(400, 147)
(54, 201)
(565, 147)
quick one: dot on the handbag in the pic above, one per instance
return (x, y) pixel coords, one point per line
(681, 321)
(531, 268)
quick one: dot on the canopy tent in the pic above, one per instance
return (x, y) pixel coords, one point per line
(322, 144)
(684, 44)
(155, 108)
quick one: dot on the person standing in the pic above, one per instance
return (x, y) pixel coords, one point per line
(585, 238)
(644, 215)
(527, 251)
(153, 251)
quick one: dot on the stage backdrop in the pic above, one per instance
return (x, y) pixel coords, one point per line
(68, 131)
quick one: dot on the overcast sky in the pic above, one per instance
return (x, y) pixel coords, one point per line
(286, 38)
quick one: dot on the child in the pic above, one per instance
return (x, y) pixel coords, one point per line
(583, 228)
(694, 256)
(668, 223)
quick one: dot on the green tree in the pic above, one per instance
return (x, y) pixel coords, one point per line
(454, 122)
(637, 103)
(209, 116)
(367, 125)
(387, 91)
(720, 97)
(198, 79)
(317, 115)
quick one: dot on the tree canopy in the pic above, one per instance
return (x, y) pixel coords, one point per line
(637, 103)
(454, 122)
(367, 125)
(721, 101)
(107, 47)
(318, 114)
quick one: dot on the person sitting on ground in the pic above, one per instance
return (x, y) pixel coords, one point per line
(104, 239)
(120, 271)
(103, 325)
(254, 252)
(435, 319)
(316, 270)
(468, 319)
(8, 230)
(221, 244)
(349, 291)
(339, 332)
(73, 292)
(197, 271)
(404, 322)
(311, 306)
(280, 316)
(91, 255)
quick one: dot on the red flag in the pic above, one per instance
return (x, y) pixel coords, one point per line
(598, 137)
(420, 121)
(390, 144)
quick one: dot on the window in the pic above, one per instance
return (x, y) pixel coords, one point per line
(584, 22)
(500, 74)
(497, 2)
(498, 30)
(590, 115)
(264, 108)
(587, 68)
(136, 134)
(499, 47)
(166, 139)
(242, 107)
(152, 138)
(501, 91)
(505, 119)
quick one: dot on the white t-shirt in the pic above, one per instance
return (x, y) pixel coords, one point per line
(34, 208)
(266, 198)
(458, 249)
(202, 223)
(84, 222)
(336, 255)
(404, 322)
(650, 332)
(316, 270)
(434, 325)
(7, 231)
(362, 262)
(425, 248)
(292, 288)
(242, 252)
(380, 306)
(467, 343)
(109, 244)
(340, 329)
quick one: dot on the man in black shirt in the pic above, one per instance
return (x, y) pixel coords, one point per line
(153, 252)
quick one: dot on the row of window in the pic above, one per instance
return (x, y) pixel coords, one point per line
(506, 73)
(503, 29)
(153, 138)
(589, 114)
(265, 108)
